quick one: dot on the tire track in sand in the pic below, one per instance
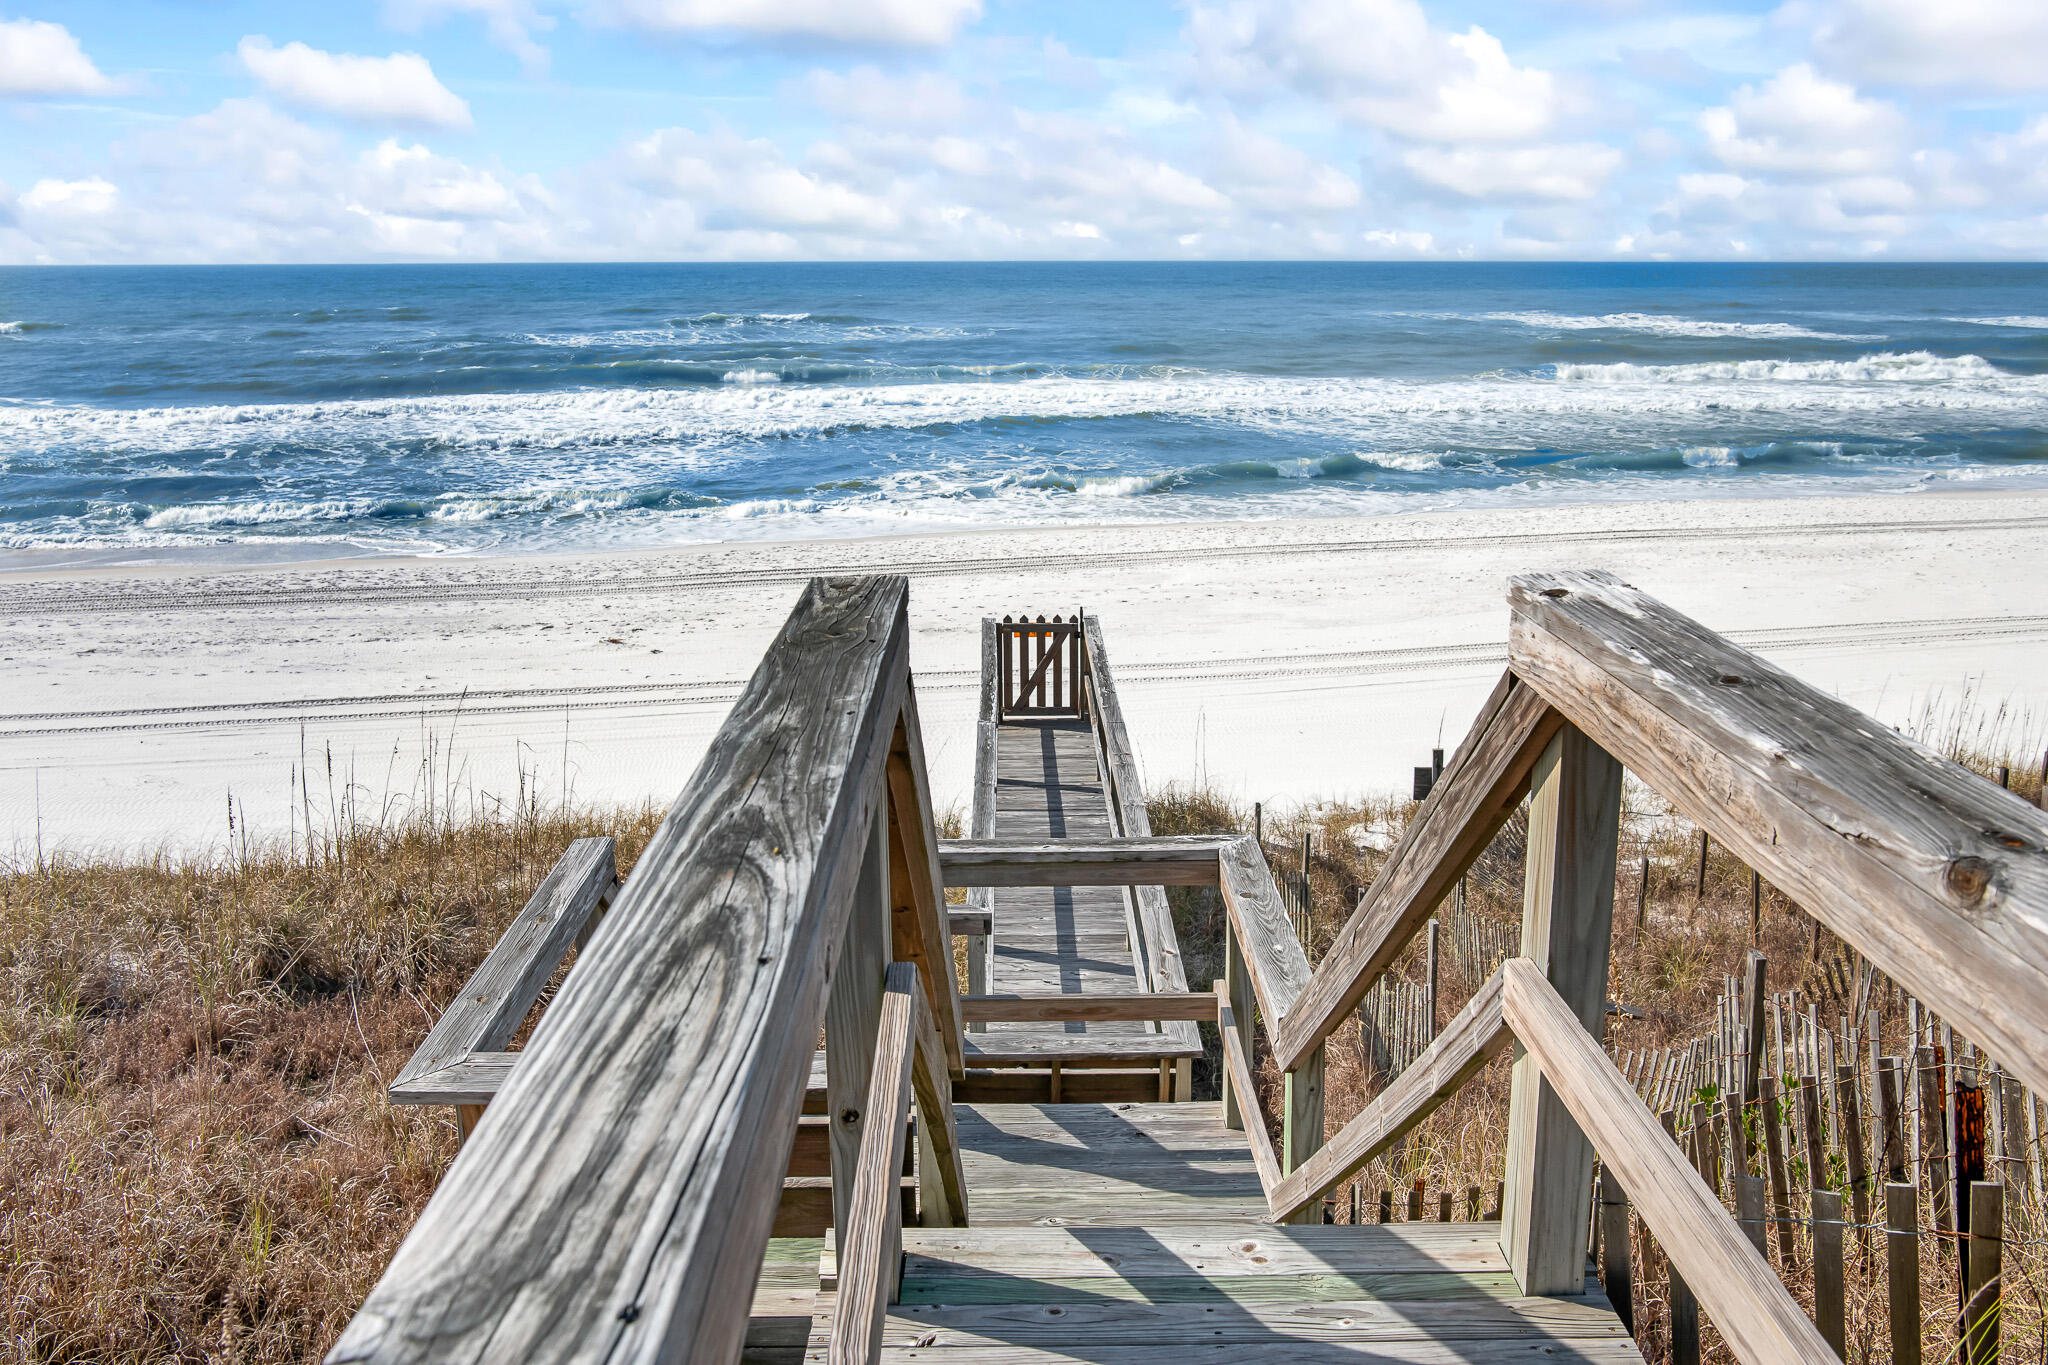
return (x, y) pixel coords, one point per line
(1419, 659)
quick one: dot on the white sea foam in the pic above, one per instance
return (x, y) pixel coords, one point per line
(751, 377)
(1127, 485)
(1910, 367)
(1710, 457)
(225, 516)
(2027, 321)
(767, 507)
(1661, 324)
(11, 329)
(657, 432)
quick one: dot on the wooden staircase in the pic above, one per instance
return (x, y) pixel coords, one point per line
(1135, 1234)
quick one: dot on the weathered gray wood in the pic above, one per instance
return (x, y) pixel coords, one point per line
(1224, 1250)
(615, 1200)
(1301, 1124)
(1244, 1084)
(1759, 1320)
(1936, 875)
(971, 924)
(1138, 1007)
(1473, 1038)
(1902, 1270)
(1272, 954)
(871, 1245)
(1617, 1275)
(1235, 990)
(853, 1014)
(1126, 1323)
(917, 894)
(1036, 1047)
(1180, 860)
(1158, 949)
(1567, 921)
(477, 1079)
(1828, 1300)
(1984, 1268)
(982, 825)
(1478, 791)
(495, 1000)
(1610, 1351)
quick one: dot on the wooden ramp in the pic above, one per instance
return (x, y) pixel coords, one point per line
(1134, 1234)
(1051, 727)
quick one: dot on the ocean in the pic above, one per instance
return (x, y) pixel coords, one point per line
(282, 412)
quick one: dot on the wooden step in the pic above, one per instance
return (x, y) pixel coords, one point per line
(1426, 1293)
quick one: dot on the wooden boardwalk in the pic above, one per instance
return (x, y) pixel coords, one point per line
(1135, 1233)
(1068, 940)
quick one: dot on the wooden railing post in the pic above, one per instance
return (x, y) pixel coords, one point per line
(1237, 990)
(1302, 1125)
(853, 1011)
(1567, 916)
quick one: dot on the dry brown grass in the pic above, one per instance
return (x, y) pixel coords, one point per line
(200, 1165)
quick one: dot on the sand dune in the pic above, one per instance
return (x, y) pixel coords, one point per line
(1277, 660)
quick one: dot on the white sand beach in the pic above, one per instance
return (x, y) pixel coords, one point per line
(1276, 661)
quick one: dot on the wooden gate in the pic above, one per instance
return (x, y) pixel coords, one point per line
(1039, 668)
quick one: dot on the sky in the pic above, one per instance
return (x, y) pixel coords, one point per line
(218, 131)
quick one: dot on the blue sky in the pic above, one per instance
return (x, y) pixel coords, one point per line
(1006, 129)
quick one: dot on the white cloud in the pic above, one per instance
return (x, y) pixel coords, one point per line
(1377, 62)
(914, 99)
(400, 89)
(1569, 171)
(1800, 123)
(1969, 44)
(732, 182)
(415, 182)
(70, 197)
(510, 24)
(906, 23)
(38, 58)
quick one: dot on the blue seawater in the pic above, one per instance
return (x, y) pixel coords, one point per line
(180, 412)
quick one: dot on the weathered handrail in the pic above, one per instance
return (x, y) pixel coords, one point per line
(496, 999)
(1178, 860)
(1474, 1037)
(872, 1240)
(1263, 961)
(1153, 942)
(1477, 792)
(1757, 1317)
(1935, 874)
(616, 1199)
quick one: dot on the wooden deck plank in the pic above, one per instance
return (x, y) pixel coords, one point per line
(1218, 1251)
(1589, 1352)
(1127, 1323)
(1072, 940)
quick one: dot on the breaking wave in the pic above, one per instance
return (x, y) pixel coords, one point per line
(1660, 324)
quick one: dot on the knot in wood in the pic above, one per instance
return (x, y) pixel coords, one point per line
(849, 1116)
(1730, 680)
(1557, 592)
(1968, 879)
